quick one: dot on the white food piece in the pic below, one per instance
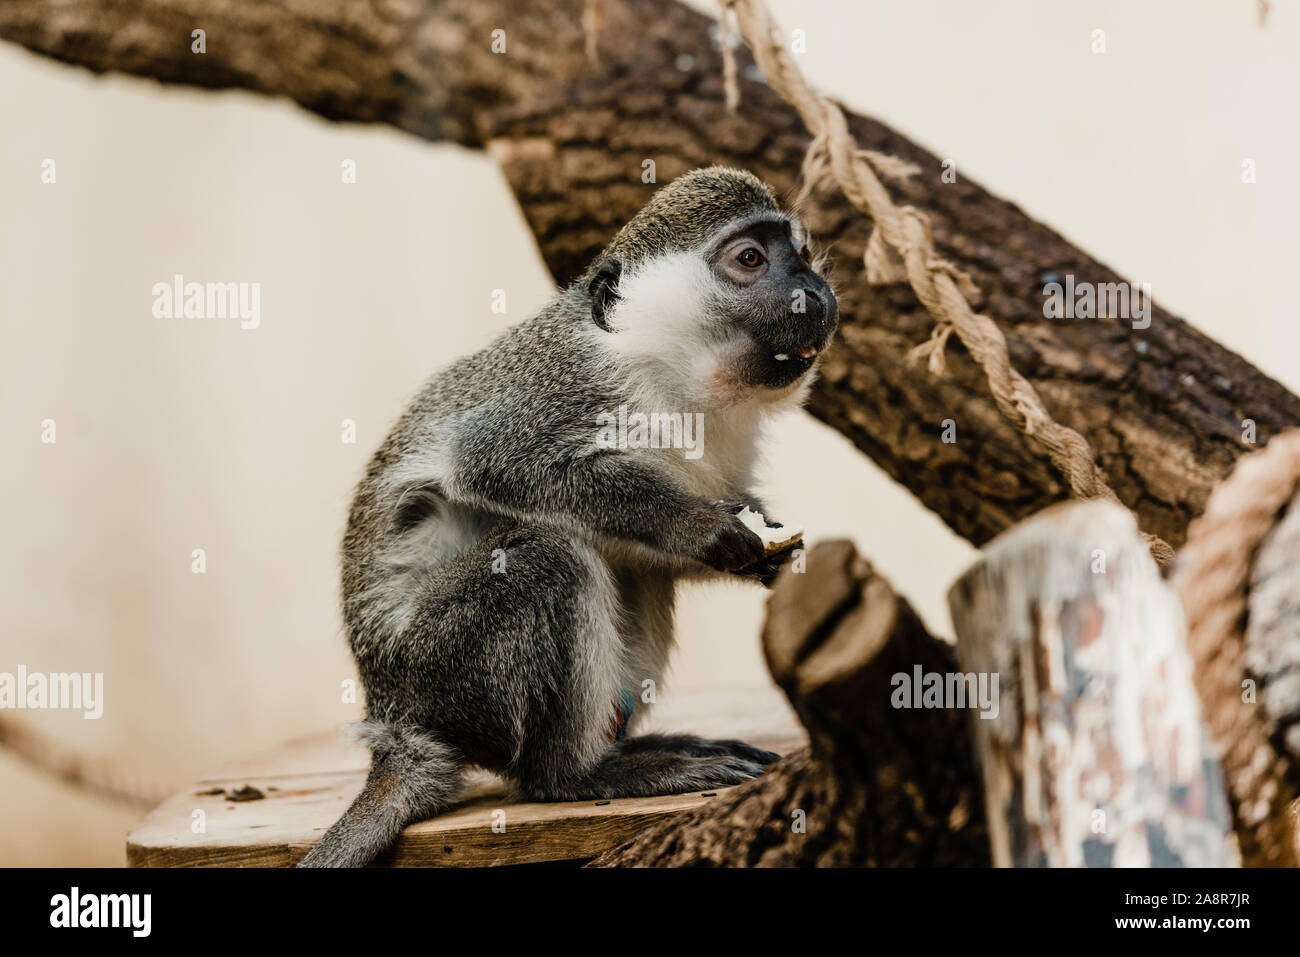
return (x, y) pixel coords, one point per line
(774, 539)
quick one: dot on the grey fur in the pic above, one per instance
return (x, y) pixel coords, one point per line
(411, 776)
(518, 668)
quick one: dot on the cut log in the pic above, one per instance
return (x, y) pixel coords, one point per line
(880, 785)
(1097, 755)
(1162, 407)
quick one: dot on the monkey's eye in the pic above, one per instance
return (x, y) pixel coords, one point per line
(751, 258)
(806, 255)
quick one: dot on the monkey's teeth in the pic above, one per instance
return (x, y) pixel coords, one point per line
(780, 357)
(807, 352)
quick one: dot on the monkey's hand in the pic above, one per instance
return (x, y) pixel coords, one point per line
(725, 542)
(765, 570)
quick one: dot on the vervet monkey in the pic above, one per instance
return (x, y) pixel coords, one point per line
(508, 580)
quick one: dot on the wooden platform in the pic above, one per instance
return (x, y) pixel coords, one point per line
(267, 811)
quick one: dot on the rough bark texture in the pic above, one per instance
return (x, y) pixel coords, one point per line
(1162, 407)
(1096, 755)
(879, 785)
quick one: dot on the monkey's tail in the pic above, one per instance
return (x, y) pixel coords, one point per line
(412, 776)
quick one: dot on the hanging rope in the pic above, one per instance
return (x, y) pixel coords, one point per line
(98, 776)
(593, 21)
(900, 249)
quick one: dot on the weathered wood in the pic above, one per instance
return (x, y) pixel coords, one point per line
(306, 784)
(1162, 407)
(880, 785)
(1239, 578)
(1097, 755)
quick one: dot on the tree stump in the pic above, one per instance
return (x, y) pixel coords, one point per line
(1097, 755)
(879, 785)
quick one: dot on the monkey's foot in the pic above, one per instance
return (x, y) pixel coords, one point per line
(649, 771)
(697, 747)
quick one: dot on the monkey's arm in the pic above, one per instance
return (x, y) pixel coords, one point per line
(608, 492)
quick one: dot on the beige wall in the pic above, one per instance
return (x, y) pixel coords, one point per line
(182, 434)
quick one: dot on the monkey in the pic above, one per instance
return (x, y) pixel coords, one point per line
(508, 581)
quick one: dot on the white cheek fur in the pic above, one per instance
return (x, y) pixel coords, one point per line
(668, 343)
(672, 354)
(662, 322)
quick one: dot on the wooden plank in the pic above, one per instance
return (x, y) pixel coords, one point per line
(306, 784)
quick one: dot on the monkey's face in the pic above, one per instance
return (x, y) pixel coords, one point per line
(773, 296)
(745, 314)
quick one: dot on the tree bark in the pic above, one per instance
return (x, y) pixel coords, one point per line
(1095, 754)
(878, 785)
(1162, 407)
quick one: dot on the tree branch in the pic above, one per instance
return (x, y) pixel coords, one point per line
(1162, 407)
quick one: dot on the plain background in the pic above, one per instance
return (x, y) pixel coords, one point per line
(182, 434)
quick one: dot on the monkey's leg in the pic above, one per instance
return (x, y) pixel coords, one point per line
(550, 769)
(647, 626)
(506, 641)
(516, 658)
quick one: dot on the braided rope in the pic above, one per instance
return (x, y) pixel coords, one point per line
(1214, 576)
(593, 21)
(901, 249)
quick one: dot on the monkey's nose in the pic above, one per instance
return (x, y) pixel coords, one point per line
(813, 303)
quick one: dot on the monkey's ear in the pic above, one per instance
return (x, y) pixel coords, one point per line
(604, 292)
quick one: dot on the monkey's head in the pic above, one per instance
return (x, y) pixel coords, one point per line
(713, 284)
